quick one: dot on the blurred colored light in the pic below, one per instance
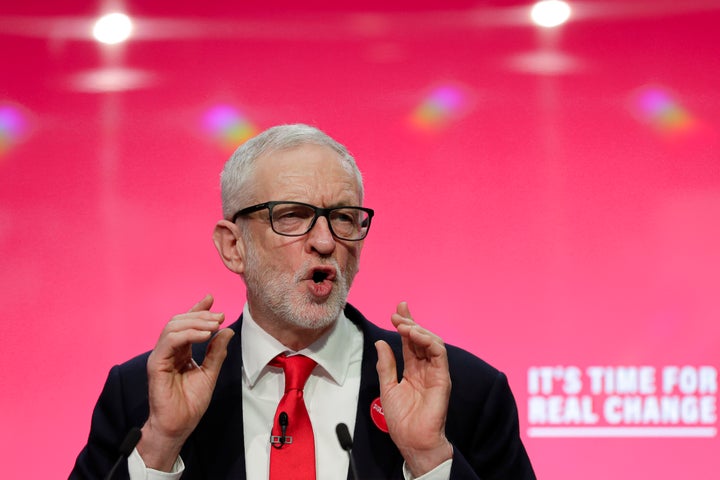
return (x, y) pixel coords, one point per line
(227, 126)
(113, 28)
(14, 126)
(444, 104)
(550, 13)
(657, 107)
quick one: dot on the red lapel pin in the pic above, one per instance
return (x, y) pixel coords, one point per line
(378, 415)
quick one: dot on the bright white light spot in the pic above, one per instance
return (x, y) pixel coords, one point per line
(550, 13)
(112, 28)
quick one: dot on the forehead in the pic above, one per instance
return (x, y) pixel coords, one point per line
(308, 173)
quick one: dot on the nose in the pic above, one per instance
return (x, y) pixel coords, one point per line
(320, 238)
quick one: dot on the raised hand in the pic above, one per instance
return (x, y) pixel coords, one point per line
(179, 389)
(416, 407)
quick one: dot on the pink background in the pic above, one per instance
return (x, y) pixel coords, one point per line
(559, 206)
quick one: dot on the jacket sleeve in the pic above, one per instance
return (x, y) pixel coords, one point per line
(121, 406)
(489, 447)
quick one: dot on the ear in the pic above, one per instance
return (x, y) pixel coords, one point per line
(230, 245)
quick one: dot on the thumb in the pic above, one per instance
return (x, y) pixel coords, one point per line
(386, 367)
(217, 351)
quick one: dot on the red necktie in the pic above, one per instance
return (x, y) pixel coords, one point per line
(292, 452)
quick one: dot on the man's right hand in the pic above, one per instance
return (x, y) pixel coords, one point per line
(179, 389)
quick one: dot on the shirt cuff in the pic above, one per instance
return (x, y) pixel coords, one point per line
(138, 470)
(441, 472)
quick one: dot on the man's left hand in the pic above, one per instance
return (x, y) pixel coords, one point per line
(416, 407)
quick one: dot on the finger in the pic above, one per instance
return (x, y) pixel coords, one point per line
(217, 351)
(398, 320)
(181, 332)
(420, 343)
(404, 327)
(426, 344)
(199, 320)
(386, 367)
(404, 323)
(185, 329)
(181, 340)
(403, 310)
(416, 339)
(203, 304)
(402, 315)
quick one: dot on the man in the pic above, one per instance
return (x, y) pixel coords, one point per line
(207, 398)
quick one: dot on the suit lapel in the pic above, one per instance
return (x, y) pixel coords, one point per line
(221, 442)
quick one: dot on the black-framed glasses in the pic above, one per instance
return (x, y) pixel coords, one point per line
(293, 219)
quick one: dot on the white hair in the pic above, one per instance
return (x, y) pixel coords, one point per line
(236, 177)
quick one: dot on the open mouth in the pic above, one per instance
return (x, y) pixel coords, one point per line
(321, 281)
(319, 276)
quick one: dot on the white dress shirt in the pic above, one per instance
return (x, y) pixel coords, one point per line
(331, 397)
(331, 393)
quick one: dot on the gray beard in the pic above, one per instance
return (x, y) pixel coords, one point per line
(275, 292)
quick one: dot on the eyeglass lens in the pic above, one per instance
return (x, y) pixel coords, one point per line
(345, 222)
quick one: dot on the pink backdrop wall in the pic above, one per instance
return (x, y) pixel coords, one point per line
(547, 200)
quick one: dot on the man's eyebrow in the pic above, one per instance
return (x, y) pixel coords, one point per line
(343, 203)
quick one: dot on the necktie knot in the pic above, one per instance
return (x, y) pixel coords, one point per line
(297, 369)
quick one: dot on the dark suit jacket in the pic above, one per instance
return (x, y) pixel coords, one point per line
(482, 420)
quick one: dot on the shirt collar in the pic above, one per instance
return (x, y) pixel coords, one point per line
(329, 351)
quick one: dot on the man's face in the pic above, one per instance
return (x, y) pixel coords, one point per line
(300, 282)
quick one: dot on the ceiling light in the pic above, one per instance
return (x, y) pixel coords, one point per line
(112, 28)
(550, 13)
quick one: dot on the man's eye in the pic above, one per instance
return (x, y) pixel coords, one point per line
(292, 214)
(344, 218)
